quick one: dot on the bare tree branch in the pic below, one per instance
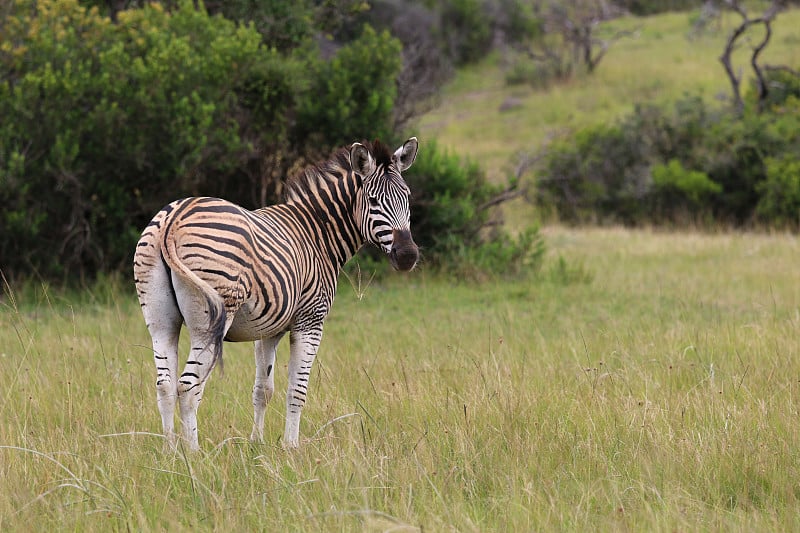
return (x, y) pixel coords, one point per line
(571, 39)
(510, 193)
(766, 19)
(763, 90)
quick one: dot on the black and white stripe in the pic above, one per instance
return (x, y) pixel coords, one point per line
(238, 275)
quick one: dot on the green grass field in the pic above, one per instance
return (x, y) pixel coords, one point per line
(656, 391)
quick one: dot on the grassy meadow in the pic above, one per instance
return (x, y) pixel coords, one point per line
(645, 381)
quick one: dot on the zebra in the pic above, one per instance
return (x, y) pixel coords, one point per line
(232, 274)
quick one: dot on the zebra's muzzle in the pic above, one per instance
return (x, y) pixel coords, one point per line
(404, 253)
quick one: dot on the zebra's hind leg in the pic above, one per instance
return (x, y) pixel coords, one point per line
(164, 320)
(207, 321)
(205, 350)
(165, 352)
(304, 346)
(265, 383)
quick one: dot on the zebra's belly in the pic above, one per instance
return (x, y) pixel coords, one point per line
(248, 326)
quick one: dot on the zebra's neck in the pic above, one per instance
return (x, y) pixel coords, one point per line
(328, 205)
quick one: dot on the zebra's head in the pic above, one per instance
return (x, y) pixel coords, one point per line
(382, 210)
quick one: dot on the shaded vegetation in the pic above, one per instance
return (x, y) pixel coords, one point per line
(108, 117)
(661, 165)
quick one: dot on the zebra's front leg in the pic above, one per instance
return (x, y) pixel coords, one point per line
(265, 383)
(304, 346)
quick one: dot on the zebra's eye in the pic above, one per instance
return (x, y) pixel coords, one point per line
(373, 202)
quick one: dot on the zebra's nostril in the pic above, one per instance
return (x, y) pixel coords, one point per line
(404, 252)
(404, 257)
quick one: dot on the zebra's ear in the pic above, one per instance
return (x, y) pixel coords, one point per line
(361, 160)
(406, 154)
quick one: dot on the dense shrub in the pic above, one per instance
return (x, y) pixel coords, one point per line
(779, 200)
(687, 185)
(353, 96)
(98, 116)
(597, 172)
(104, 122)
(658, 164)
(283, 24)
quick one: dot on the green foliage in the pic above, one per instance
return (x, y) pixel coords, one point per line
(104, 122)
(655, 164)
(99, 116)
(518, 20)
(692, 185)
(283, 24)
(499, 256)
(448, 194)
(653, 7)
(466, 30)
(780, 192)
(353, 94)
(782, 85)
(598, 171)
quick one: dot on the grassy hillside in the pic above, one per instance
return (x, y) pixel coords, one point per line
(658, 394)
(659, 64)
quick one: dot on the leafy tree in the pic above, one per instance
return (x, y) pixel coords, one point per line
(104, 121)
(108, 117)
(352, 93)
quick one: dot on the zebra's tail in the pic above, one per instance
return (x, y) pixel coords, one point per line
(217, 315)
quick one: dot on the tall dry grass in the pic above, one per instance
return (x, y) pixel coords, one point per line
(647, 382)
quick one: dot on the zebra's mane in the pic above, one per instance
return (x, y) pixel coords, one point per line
(332, 169)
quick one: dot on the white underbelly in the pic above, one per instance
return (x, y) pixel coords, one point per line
(248, 327)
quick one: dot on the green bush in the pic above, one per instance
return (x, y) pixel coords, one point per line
(598, 173)
(499, 255)
(353, 94)
(691, 185)
(104, 122)
(780, 192)
(518, 20)
(782, 84)
(101, 117)
(284, 24)
(657, 163)
(653, 7)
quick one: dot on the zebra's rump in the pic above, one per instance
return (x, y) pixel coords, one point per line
(249, 259)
